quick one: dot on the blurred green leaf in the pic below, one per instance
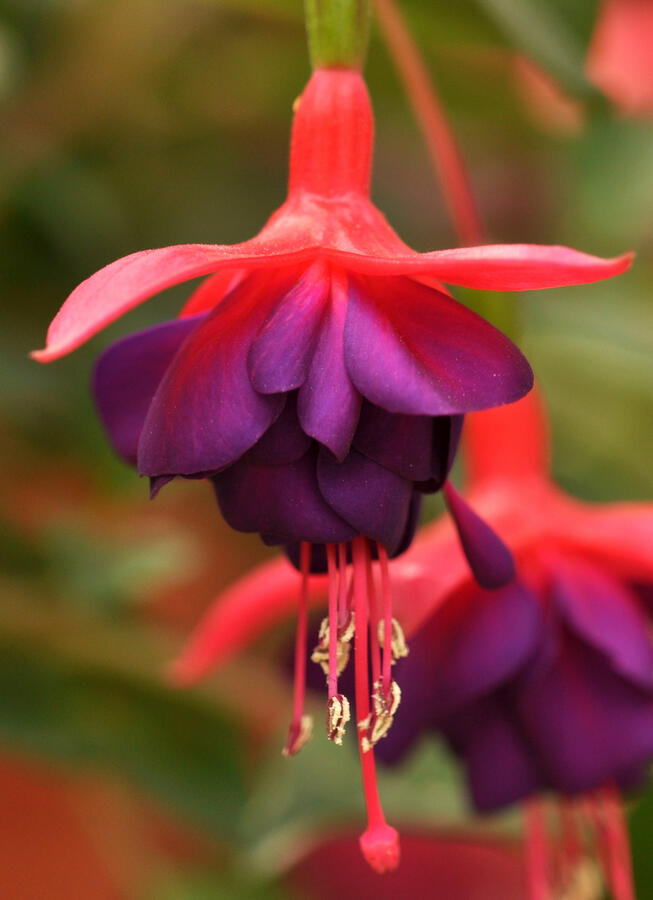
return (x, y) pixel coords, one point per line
(641, 827)
(538, 31)
(204, 885)
(101, 576)
(590, 349)
(89, 696)
(321, 787)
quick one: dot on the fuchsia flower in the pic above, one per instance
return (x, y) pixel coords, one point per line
(323, 355)
(319, 378)
(544, 683)
(620, 61)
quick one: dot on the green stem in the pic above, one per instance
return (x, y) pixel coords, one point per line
(337, 32)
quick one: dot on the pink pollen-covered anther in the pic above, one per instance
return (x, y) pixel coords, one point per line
(380, 847)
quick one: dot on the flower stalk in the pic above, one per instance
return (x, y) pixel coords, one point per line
(444, 152)
(441, 143)
(337, 32)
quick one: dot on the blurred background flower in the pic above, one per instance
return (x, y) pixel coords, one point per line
(115, 119)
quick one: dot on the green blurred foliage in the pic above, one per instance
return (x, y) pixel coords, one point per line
(134, 123)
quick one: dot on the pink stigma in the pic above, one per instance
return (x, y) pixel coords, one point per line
(380, 847)
(359, 614)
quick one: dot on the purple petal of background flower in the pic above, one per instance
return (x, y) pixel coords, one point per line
(472, 644)
(586, 722)
(606, 615)
(487, 555)
(501, 766)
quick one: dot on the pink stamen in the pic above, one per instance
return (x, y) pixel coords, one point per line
(343, 605)
(295, 730)
(332, 567)
(537, 852)
(594, 819)
(614, 834)
(386, 600)
(571, 837)
(380, 842)
(375, 652)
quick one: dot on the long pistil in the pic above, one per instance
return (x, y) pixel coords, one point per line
(386, 600)
(332, 678)
(375, 652)
(343, 607)
(380, 842)
(301, 727)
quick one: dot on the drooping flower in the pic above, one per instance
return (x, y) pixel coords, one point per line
(619, 61)
(546, 683)
(318, 378)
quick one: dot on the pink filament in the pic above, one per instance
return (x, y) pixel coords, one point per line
(300, 642)
(571, 838)
(375, 652)
(386, 599)
(332, 681)
(617, 849)
(343, 606)
(537, 852)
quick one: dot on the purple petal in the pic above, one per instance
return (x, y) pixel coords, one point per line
(412, 523)
(586, 723)
(399, 442)
(373, 500)
(318, 560)
(283, 442)
(501, 766)
(631, 778)
(329, 404)
(446, 437)
(205, 413)
(280, 501)
(411, 349)
(605, 615)
(472, 644)
(126, 376)
(489, 559)
(280, 356)
(489, 642)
